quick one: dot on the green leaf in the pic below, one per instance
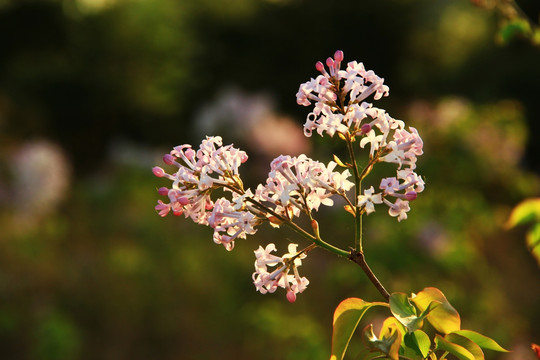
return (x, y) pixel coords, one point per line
(457, 350)
(405, 312)
(391, 336)
(533, 242)
(389, 340)
(367, 354)
(419, 341)
(340, 163)
(402, 309)
(346, 318)
(513, 28)
(472, 347)
(481, 340)
(525, 212)
(444, 317)
(533, 236)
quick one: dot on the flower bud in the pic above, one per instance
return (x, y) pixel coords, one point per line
(330, 62)
(411, 195)
(159, 172)
(319, 66)
(274, 220)
(365, 128)
(291, 296)
(168, 159)
(338, 56)
(163, 191)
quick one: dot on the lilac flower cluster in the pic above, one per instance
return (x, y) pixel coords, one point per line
(298, 185)
(339, 106)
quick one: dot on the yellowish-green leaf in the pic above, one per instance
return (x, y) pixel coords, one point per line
(454, 349)
(389, 340)
(402, 309)
(346, 318)
(391, 336)
(533, 241)
(405, 312)
(421, 342)
(525, 212)
(513, 28)
(444, 318)
(536, 37)
(366, 353)
(481, 340)
(339, 162)
(472, 347)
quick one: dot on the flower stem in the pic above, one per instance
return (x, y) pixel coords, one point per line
(359, 258)
(358, 189)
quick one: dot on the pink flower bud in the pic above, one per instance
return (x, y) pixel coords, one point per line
(365, 128)
(244, 158)
(168, 159)
(183, 200)
(291, 296)
(159, 172)
(411, 195)
(163, 191)
(338, 56)
(319, 66)
(330, 62)
(177, 209)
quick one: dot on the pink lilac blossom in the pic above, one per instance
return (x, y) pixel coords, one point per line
(272, 271)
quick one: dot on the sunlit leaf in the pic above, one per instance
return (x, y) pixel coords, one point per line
(536, 37)
(481, 340)
(525, 212)
(391, 337)
(339, 162)
(405, 312)
(472, 347)
(401, 308)
(346, 318)
(419, 341)
(533, 241)
(389, 340)
(366, 353)
(454, 349)
(513, 28)
(444, 318)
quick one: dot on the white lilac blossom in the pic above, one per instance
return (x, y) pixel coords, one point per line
(338, 103)
(198, 173)
(369, 199)
(300, 184)
(229, 223)
(338, 96)
(283, 271)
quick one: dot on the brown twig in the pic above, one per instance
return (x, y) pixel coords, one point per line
(359, 258)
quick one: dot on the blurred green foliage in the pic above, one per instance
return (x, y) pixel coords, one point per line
(114, 83)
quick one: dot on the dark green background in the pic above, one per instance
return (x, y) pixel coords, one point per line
(100, 276)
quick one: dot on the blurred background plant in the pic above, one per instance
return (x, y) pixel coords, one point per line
(93, 91)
